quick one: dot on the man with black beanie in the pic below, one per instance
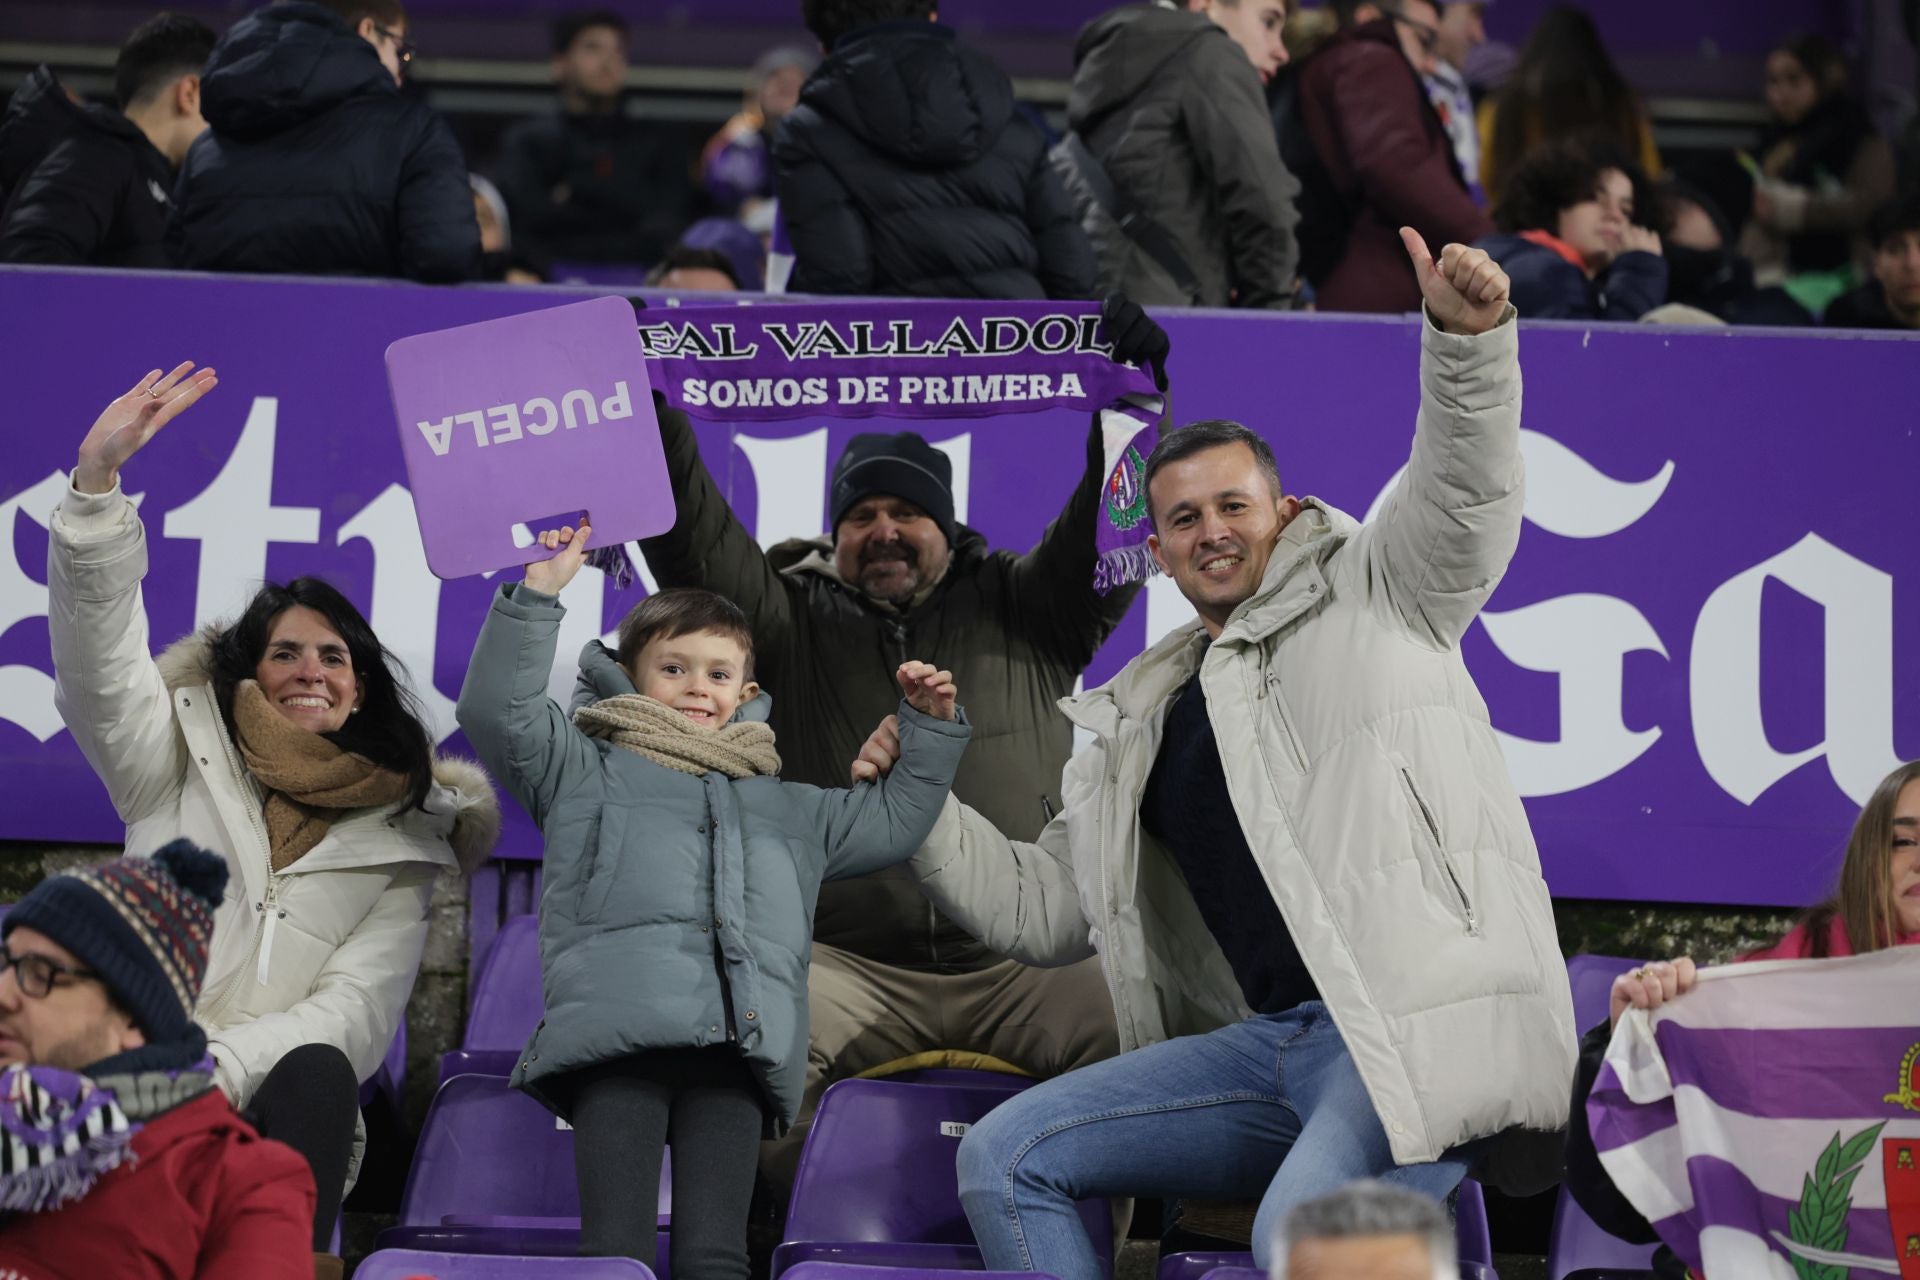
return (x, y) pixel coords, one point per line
(897, 574)
(122, 1158)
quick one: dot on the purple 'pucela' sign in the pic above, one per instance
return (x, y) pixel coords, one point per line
(1699, 662)
(506, 424)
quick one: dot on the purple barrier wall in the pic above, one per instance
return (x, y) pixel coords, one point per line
(1693, 656)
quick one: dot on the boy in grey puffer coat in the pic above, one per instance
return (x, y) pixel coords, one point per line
(680, 879)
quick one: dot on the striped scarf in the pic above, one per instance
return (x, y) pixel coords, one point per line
(61, 1131)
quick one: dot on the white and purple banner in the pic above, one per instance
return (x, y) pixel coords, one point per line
(1768, 1123)
(1699, 663)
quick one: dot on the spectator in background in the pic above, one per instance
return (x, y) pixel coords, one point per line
(1367, 1230)
(737, 165)
(1564, 86)
(315, 163)
(143, 1170)
(696, 270)
(498, 260)
(1576, 236)
(1891, 300)
(588, 184)
(1704, 270)
(1822, 171)
(746, 256)
(1461, 30)
(1385, 153)
(1172, 159)
(100, 197)
(907, 169)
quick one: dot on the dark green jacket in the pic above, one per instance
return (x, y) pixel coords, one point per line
(677, 909)
(1015, 630)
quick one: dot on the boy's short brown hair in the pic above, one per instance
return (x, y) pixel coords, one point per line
(680, 611)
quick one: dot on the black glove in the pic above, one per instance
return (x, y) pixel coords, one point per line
(1136, 338)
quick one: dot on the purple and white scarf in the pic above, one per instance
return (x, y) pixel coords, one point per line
(920, 359)
(62, 1131)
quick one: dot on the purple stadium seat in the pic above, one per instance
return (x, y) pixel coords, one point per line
(1579, 1243)
(877, 1186)
(1469, 1225)
(820, 1270)
(407, 1264)
(507, 1004)
(494, 1174)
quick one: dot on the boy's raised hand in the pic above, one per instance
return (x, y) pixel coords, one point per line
(552, 575)
(927, 689)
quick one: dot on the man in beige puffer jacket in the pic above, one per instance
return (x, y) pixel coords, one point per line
(1293, 844)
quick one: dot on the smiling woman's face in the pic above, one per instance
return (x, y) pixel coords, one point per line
(1906, 858)
(307, 671)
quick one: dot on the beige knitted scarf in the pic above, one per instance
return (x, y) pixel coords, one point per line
(648, 727)
(309, 781)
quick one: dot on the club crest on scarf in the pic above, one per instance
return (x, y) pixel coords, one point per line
(1127, 491)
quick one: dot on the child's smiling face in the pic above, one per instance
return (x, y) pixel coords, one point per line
(702, 675)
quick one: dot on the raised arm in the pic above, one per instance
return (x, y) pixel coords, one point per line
(108, 691)
(522, 736)
(708, 546)
(877, 824)
(1444, 537)
(1053, 583)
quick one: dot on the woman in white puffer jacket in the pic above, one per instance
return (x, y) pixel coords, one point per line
(286, 742)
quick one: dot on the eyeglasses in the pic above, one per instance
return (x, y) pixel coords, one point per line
(35, 973)
(1429, 37)
(403, 51)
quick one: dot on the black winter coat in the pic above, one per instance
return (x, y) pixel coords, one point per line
(907, 169)
(599, 188)
(1548, 287)
(315, 164)
(84, 186)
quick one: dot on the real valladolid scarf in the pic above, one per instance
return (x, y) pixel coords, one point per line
(912, 359)
(61, 1131)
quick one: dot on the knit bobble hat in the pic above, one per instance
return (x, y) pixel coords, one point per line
(143, 925)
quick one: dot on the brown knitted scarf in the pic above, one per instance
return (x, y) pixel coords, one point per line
(309, 780)
(650, 728)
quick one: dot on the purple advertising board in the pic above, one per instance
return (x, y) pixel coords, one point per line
(1694, 660)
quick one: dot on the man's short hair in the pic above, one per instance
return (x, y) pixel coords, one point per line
(569, 27)
(1196, 437)
(1368, 1209)
(390, 14)
(1563, 174)
(1895, 217)
(680, 611)
(160, 51)
(687, 258)
(831, 19)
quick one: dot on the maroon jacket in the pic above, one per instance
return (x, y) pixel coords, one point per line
(1391, 162)
(207, 1198)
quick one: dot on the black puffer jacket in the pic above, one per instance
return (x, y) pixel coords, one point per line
(907, 169)
(316, 164)
(95, 195)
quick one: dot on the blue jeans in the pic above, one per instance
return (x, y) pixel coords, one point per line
(1271, 1107)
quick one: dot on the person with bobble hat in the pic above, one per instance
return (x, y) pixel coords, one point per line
(121, 1159)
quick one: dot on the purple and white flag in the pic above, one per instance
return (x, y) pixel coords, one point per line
(1768, 1123)
(917, 359)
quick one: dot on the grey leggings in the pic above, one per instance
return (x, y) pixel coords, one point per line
(706, 1103)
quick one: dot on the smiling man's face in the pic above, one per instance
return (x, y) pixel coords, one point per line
(1216, 517)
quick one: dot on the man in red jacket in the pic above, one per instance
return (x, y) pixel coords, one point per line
(119, 1159)
(1386, 153)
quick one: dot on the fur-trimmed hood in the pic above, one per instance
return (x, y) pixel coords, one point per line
(187, 663)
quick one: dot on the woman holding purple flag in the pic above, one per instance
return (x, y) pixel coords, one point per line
(1876, 906)
(286, 741)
